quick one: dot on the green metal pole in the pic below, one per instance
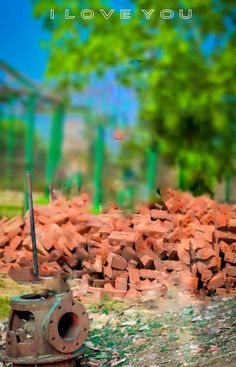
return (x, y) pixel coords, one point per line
(99, 161)
(121, 198)
(151, 170)
(227, 189)
(79, 181)
(29, 142)
(10, 145)
(55, 145)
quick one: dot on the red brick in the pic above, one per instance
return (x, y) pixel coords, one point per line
(119, 273)
(147, 261)
(188, 282)
(100, 282)
(230, 257)
(230, 270)
(185, 244)
(106, 230)
(141, 247)
(97, 294)
(107, 271)
(221, 221)
(81, 254)
(25, 260)
(132, 264)
(60, 218)
(156, 229)
(121, 283)
(3, 240)
(24, 274)
(209, 218)
(134, 278)
(183, 255)
(159, 248)
(129, 253)
(55, 255)
(217, 281)
(224, 247)
(159, 265)
(67, 269)
(5, 268)
(206, 275)
(108, 286)
(97, 265)
(232, 224)
(122, 238)
(198, 244)
(216, 247)
(116, 294)
(86, 264)
(174, 265)
(149, 274)
(228, 237)
(221, 292)
(116, 261)
(15, 243)
(230, 282)
(13, 225)
(162, 214)
(204, 254)
(132, 297)
(70, 260)
(145, 284)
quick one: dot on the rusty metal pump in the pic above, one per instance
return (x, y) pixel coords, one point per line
(46, 328)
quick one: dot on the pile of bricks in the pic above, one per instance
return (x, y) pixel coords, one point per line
(190, 242)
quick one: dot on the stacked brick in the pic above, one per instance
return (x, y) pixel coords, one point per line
(191, 243)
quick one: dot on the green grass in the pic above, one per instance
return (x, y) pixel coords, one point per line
(4, 307)
(10, 211)
(107, 305)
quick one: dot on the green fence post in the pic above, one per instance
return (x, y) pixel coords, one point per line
(10, 145)
(79, 182)
(29, 142)
(99, 160)
(121, 198)
(227, 189)
(55, 145)
(151, 170)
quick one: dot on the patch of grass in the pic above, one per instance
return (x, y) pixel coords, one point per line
(10, 211)
(3, 283)
(4, 307)
(107, 305)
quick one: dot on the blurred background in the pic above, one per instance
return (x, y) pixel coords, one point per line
(117, 107)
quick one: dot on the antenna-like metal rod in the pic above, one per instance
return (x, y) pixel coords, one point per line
(32, 227)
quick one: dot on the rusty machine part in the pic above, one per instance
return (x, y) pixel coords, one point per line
(48, 327)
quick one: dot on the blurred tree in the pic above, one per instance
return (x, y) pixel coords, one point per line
(186, 77)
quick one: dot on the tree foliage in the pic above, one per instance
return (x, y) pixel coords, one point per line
(185, 80)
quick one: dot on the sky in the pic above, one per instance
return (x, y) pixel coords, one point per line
(20, 39)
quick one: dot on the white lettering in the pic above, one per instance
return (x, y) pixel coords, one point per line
(87, 14)
(125, 13)
(182, 16)
(148, 13)
(52, 14)
(107, 15)
(67, 14)
(167, 14)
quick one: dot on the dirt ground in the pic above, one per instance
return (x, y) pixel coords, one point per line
(176, 331)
